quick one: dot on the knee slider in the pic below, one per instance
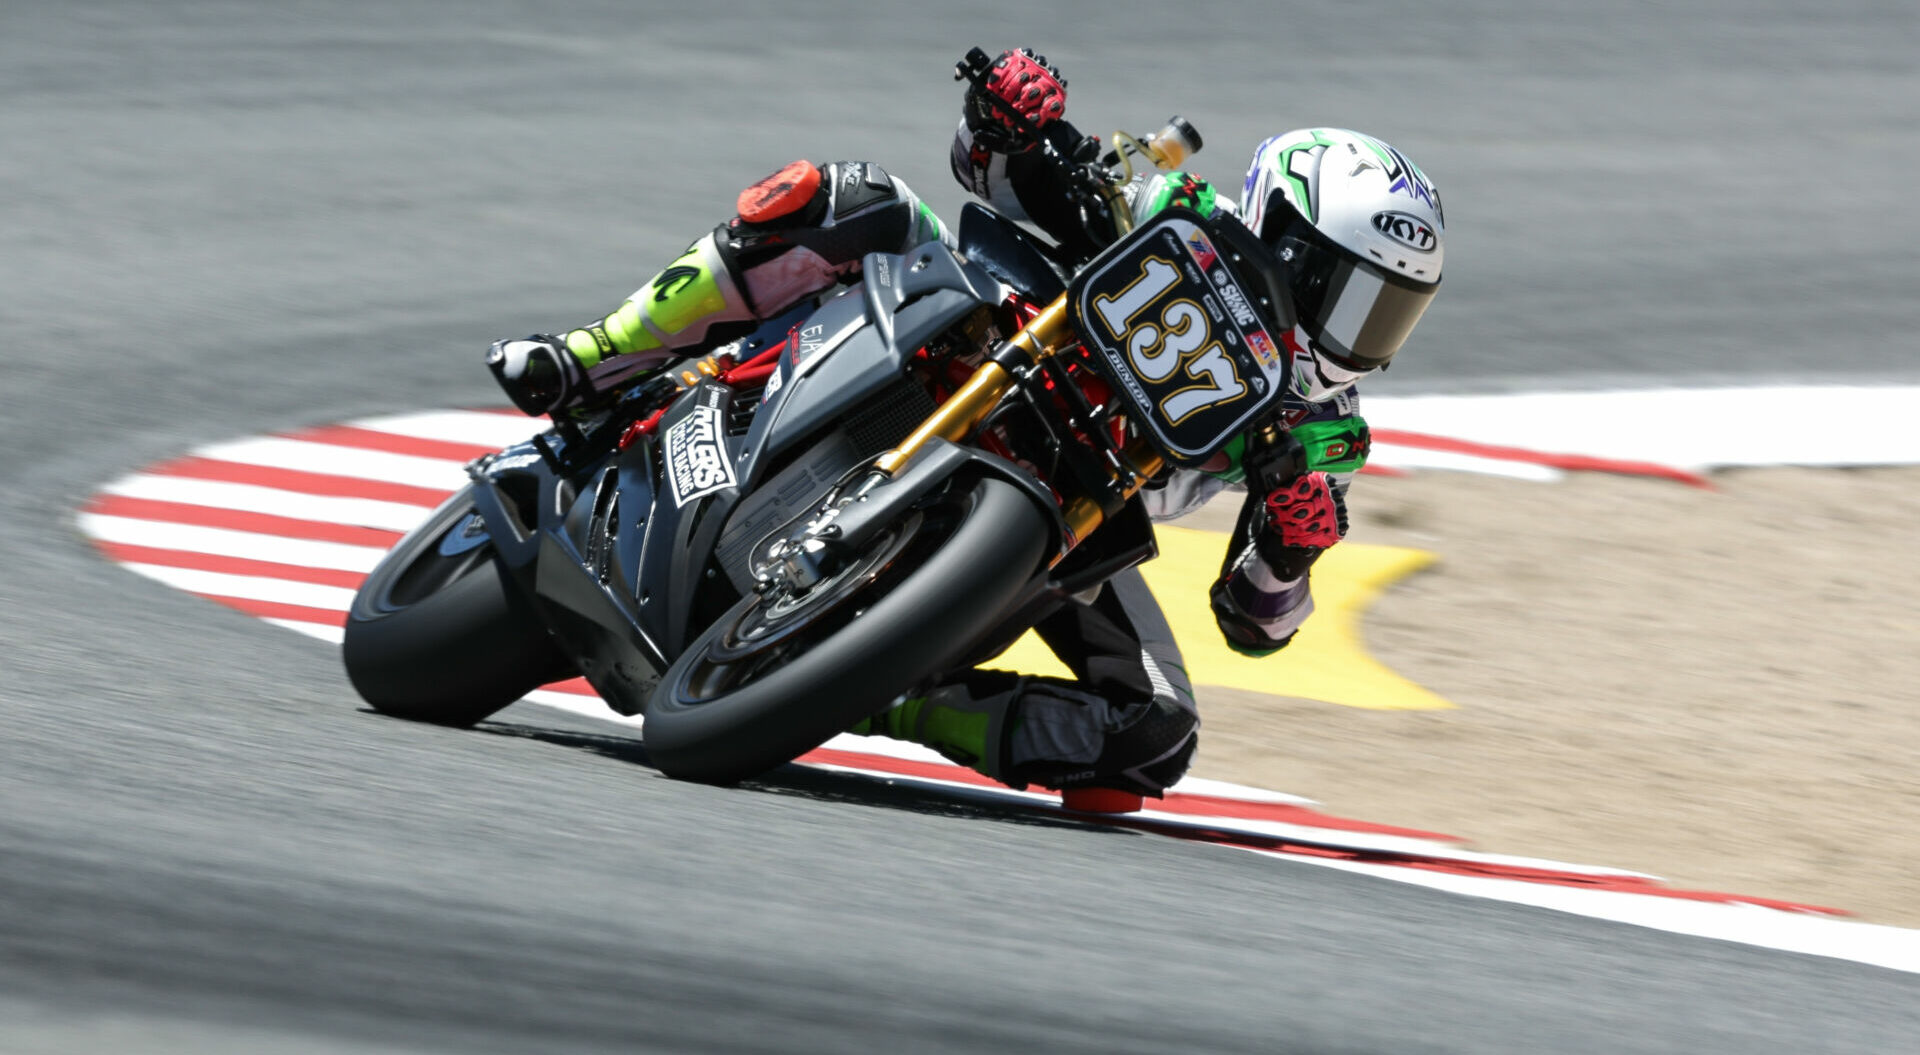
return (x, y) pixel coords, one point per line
(1151, 753)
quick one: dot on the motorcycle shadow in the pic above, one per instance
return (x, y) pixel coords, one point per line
(798, 781)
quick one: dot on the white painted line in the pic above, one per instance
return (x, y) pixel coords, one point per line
(248, 587)
(329, 634)
(584, 706)
(226, 542)
(1895, 948)
(1243, 792)
(1685, 428)
(880, 745)
(217, 494)
(1375, 842)
(277, 453)
(976, 792)
(1317, 836)
(457, 426)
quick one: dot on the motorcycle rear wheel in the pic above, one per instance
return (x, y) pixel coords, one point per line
(443, 637)
(918, 600)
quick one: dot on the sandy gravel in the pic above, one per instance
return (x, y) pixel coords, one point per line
(1718, 687)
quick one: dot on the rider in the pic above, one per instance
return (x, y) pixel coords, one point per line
(1357, 229)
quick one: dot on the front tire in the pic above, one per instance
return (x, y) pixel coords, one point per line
(728, 709)
(437, 633)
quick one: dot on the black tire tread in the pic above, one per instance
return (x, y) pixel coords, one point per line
(922, 625)
(455, 657)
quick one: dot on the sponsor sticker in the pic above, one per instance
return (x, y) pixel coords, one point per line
(1263, 350)
(1201, 248)
(696, 458)
(1411, 231)
(1236, 301)
(808, 342)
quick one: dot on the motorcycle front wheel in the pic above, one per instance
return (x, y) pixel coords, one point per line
(778, 675)
(437, 633)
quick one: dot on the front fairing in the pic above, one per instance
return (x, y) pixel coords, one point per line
(855, 348)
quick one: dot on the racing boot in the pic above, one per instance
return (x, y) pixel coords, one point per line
(1023, 731)
(540, 375)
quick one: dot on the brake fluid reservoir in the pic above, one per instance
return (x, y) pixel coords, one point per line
(1174, 143)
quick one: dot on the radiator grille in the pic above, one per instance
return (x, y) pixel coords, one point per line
(888, 417)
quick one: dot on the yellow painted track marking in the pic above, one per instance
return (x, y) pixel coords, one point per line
(1327, 662)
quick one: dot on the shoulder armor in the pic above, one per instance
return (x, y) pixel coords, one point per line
(858, 185)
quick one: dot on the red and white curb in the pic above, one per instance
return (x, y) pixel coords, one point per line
(284, 527)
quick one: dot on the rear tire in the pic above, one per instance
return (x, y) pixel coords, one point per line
(729, 709)
(444, 637)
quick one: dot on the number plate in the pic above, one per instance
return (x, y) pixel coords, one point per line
(1176, 330)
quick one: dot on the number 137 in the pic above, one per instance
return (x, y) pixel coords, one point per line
(1154, 351)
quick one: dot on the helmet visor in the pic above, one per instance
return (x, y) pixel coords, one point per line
(1358, 312)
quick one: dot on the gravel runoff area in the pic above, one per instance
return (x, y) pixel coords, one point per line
(1717, 687)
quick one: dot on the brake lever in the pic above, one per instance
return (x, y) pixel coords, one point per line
(973, 66)
(1275, 456)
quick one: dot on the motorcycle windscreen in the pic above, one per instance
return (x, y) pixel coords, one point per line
(1174, 328)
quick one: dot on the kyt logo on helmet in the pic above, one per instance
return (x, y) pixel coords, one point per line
(1407, 230)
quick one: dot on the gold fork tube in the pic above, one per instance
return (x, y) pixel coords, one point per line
(1083, 514)
(1040, 338)
(1047, 332)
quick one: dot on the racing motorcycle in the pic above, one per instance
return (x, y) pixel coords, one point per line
(863, 495)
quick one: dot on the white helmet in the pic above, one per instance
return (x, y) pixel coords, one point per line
(1358, 229)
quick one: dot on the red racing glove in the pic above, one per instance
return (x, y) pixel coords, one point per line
(1304, 518)
(1307, 513)
(1022, 83)
(1261, 597)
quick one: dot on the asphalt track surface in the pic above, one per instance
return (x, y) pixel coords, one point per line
(222, 219)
